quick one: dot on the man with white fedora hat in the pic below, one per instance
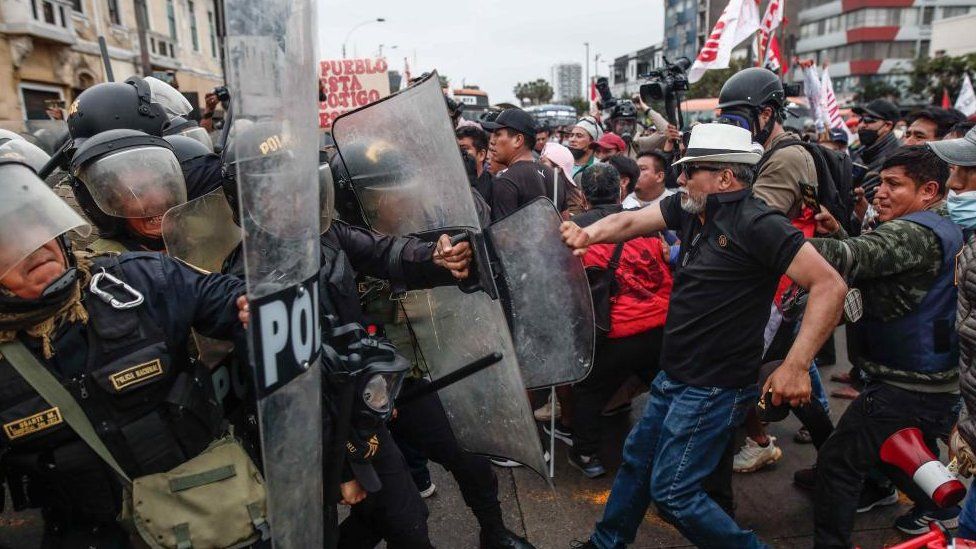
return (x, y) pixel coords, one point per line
(735, 250)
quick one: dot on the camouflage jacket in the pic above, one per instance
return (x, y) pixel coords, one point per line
(894, 266)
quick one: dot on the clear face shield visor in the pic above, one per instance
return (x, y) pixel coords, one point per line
(31, 215)
(135, 183)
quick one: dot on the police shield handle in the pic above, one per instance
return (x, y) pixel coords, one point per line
(575, 237)
(453, 254)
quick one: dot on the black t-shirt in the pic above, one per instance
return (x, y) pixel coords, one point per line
(483, 184)
(519, 184)
(727, 275)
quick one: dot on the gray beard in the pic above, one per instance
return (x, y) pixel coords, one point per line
(692, 205)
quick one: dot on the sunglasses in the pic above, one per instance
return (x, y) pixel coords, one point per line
(691, 169)
(869, 120)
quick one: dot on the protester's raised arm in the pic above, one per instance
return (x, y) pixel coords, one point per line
(618, 227)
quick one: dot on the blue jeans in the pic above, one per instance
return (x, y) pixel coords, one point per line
(967, 518)
(817, 387)
(672, 448)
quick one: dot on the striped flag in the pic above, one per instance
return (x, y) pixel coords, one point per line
(829, 103)
(770, 22)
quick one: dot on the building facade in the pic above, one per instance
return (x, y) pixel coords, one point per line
(567, 81)
(49, 50)
(867, 40)
(954, 36)
(626, 80)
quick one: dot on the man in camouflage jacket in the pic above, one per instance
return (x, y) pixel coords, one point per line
(904, 270)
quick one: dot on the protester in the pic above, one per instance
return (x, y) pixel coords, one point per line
(876, 135)
(960, 130)
(522, 179)
(649, 187)
(931, 124)
(629, 173)
(542, 137)
(904, 270)
(608, 146)
(736, 248)
(960, 154)
(582, 137)
(559, 158)
(474, 141)
(836, 139)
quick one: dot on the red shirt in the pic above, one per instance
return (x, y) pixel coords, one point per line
(644, 283)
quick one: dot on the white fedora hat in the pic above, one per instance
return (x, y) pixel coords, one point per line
(716, 142)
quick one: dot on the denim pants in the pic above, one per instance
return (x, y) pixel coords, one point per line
(677, 442)
(967, 518)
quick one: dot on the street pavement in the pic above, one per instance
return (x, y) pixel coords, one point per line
(552, 516)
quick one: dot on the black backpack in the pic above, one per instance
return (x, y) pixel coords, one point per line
(835, 180)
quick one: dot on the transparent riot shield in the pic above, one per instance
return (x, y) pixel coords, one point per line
(551, 308)
(271, 72)
(202, 233)
(404, 165)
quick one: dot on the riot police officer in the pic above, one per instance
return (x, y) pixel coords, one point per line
(124, 181)
(113, 329)
(202, 169)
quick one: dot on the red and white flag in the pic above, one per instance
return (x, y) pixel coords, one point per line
(774, 57)
(828, 102)
(738, 22)
(771, 21)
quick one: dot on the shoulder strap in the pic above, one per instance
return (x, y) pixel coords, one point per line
(103, 245)
(615, 258)
(52, 391)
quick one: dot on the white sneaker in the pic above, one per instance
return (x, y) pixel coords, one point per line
(429, 491)
(753, 457)
(502, 462)
(544, 413)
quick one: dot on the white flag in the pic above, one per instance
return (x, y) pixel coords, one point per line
(829, 105)
(966, 102)
(770, 22)
(739, 21)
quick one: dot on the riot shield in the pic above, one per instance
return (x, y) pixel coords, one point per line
(271, 71)
(402, 158)
(551, 309)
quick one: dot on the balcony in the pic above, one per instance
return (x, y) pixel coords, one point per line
(162, 51)
(42, 19)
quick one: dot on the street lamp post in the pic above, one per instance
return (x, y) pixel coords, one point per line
(368, 21)
(380, 54)
(586, 86)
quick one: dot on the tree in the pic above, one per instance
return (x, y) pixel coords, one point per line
(536, 93)
(581, 105)
(711, 82)
(931, 75)
(877, 89)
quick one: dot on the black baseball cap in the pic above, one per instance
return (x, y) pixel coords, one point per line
(838, 135)
(879, 108)
(513, 119)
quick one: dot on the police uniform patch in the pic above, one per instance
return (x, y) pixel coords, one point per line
(723, 240)
(33, 424)
(137, 374)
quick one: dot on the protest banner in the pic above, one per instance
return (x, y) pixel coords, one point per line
(347, 84)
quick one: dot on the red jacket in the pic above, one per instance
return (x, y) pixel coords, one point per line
(644, 281)
(807, 224)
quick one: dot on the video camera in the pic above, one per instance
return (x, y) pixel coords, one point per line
(667, 84)
(222, 95)
(607, 100)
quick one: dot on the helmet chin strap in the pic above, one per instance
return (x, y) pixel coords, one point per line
(763, 134)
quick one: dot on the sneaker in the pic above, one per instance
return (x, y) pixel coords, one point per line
(428, 491)
(544, 413)
(562, 432)
(917, 521)
(590, 466)
(806, 478)
(873, 496)
(753, 457)
(803, 436)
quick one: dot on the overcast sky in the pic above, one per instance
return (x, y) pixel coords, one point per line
(491, 43)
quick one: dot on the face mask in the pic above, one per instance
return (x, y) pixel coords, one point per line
(962, 208)
(577, 153)
(867, 137)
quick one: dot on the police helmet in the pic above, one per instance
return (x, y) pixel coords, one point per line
(624, 108)
(186, 148)
(179, 125)
(115, 105)
(123, 173)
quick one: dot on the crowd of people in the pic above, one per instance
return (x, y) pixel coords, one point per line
(721, 259)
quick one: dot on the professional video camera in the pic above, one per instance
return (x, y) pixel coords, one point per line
(667, 84)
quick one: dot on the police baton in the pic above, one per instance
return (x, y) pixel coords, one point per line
(449, 379)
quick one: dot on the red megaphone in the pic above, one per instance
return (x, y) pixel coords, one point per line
(906, 450)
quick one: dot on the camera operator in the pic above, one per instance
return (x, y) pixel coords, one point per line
(210, 120)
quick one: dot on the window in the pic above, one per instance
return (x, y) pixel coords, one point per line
(35, 98)
(193, 26)
(213, 34)
(954, 11)
(48, 13)
(927, 13)
(923, 48)
(113, 12)
(76, 6)
(171, 17)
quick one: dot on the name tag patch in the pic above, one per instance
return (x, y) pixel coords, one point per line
(136, 374)
(33, 424)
